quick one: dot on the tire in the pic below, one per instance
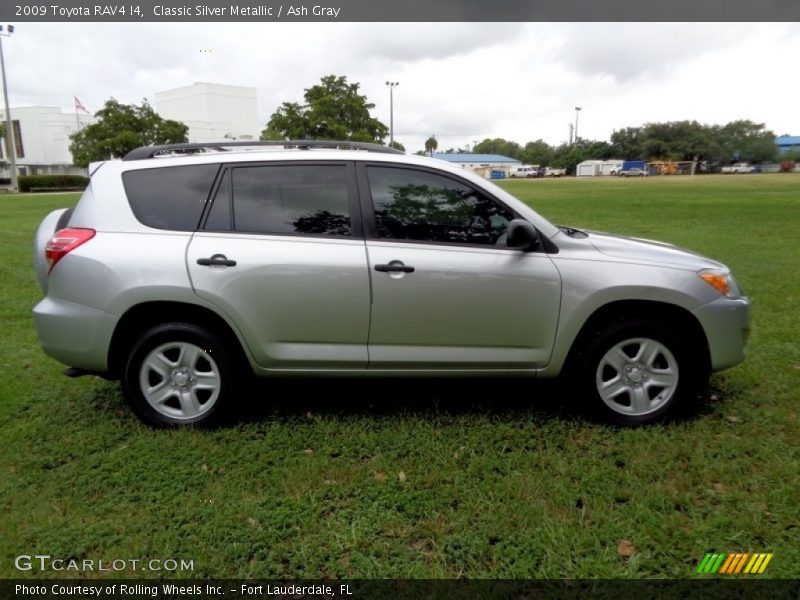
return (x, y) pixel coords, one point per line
(179, 374)
(637, 372)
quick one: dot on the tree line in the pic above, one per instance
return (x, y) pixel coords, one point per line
(741, 140)
(335, 109)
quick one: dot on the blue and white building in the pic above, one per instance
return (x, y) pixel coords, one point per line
(788, 143)
(476, 161)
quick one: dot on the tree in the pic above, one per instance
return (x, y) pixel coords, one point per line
(397, 146)
(333, 110)
(120, 129)
(499, 146)
(537, 153)
(746, 140)
(431, 145)
(567, 156)
(690, 140)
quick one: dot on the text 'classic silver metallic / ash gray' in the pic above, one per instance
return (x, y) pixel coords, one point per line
(184, 269)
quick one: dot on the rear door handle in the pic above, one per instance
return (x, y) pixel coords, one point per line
(218, 260)
(394, 267)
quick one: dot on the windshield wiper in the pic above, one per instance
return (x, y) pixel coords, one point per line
(572, 232)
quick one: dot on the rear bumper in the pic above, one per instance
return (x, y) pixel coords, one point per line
(726, 323)
(75, 335)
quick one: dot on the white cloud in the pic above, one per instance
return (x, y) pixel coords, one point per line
(628, 51)
(461, 81)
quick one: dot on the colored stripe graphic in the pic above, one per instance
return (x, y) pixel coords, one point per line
(749, 567)
(701, 567)
(741, 562)
(744, 563)
(727, 563)
(710, 562)
(733, 564)
(767, 558)
(718, 562)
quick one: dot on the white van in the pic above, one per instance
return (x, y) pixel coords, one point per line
(525, 171)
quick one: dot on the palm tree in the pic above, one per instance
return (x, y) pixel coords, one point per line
(431, 144)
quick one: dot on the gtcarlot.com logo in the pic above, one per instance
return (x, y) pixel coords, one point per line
(45, 562)
(737, 563)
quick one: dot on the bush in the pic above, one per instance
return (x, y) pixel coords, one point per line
(29, 182)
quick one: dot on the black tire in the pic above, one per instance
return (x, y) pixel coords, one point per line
(189, 372)
(662, 374)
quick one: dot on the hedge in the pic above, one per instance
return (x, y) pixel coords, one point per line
(30, 182)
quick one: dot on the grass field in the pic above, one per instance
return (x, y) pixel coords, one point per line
(427, 479)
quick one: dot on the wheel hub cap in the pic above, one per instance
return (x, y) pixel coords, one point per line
(180, 380)
(180, 377)
(637, 376)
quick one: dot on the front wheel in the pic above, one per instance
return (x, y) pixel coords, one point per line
(637, 372)
(178, 374)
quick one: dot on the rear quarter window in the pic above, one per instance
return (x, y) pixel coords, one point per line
(170, 197)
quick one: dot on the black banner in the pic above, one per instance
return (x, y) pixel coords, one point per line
(398, 11)
(741, 588)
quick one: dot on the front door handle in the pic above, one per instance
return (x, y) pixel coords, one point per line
(394, 267)
(218, 260)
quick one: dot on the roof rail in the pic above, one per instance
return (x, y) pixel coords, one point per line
(144, 152)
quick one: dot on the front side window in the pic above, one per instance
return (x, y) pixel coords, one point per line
(291, 199)
(422, 206)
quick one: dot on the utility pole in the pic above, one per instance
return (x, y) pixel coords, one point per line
(392, 85)
(10, 142)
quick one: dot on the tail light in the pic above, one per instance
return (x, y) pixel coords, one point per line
(63, 242)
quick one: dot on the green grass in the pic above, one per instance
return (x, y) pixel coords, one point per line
(427, 479)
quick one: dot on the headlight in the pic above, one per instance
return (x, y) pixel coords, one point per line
(722, 281)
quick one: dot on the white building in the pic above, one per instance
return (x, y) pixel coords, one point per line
(212, 111)
(589, 168)
(611, 166)
(490, 166)
(41, 136)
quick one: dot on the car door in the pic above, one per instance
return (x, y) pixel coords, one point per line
(447, 293)
(281, 252)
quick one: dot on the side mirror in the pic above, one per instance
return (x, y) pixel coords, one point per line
(521, 235)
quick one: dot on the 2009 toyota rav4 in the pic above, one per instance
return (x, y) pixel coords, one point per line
(182, 269)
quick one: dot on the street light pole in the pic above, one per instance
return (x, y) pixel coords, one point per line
(577, 112)
(392, 85)
(11, 145)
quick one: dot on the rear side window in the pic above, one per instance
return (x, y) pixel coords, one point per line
(292, 199)
(169, 197)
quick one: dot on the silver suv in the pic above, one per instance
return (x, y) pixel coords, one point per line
(183, 269)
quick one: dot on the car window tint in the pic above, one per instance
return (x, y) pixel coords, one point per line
(169, 197)
(219, 217)
(423, 206)
(298, 199)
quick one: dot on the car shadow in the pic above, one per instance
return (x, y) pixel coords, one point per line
(424, 397)
(261, 400)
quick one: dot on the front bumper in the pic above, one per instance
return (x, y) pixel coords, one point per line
(726, 322)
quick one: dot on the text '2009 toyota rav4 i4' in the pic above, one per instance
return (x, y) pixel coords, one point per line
(184, 268)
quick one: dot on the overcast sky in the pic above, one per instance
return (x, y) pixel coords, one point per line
(460, 81)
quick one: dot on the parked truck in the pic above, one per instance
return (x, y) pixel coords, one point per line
(627, 165)
(554, 172)
(740, 167)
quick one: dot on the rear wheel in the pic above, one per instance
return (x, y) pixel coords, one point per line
(637, 372)
(178, 374)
